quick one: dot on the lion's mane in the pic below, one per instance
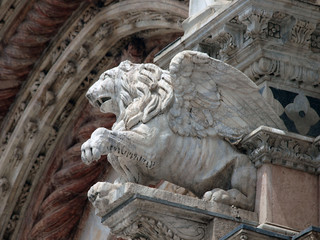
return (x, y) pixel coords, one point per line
(143, 94)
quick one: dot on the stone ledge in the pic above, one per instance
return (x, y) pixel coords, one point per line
(132, 210)
(248, 232)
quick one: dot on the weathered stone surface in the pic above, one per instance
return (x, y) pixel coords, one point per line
(269, 145)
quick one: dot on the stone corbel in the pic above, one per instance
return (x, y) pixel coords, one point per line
(227, 44)
(222, 44)
(256, 21)
(139, 212)
(269, 145)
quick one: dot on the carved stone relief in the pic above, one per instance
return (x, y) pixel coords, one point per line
(151, 135)
(301, 32)
(279, 33)
(156, 214)
(256, 21)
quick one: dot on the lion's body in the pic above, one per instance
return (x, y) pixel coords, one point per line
(197, 164)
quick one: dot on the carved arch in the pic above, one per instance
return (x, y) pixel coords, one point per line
(42, 118)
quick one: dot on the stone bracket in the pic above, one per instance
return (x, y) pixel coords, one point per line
(139, 212)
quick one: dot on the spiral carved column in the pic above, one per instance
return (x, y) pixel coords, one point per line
(61, 204)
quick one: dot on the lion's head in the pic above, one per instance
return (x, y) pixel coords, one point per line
(134, 92)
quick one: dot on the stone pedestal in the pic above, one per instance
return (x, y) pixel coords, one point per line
(287, 197)
(140, 212)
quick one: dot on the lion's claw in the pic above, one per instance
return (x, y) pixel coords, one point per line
(90, 152)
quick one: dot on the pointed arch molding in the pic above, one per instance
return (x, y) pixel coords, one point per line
(54, 92)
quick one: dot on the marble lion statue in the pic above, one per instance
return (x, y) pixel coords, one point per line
(181, 126)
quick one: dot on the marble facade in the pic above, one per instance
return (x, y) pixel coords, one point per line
(52, 51)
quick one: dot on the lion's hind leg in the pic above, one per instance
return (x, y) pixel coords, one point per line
(243, 185)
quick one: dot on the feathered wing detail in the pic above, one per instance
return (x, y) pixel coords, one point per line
(213, 97)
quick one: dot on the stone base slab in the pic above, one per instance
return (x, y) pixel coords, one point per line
(139, 212)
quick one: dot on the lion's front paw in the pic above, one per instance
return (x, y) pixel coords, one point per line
(92, 194)
(90, 152)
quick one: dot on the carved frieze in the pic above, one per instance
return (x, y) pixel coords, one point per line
(227, 44)
(150, 228)
(37, 83)
(271, 69)
(264, 68)
(268, 145)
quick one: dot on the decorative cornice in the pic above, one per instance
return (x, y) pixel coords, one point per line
(269, 145)
(256, 20)
(260, 40)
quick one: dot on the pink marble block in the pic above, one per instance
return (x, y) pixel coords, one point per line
(287, 197)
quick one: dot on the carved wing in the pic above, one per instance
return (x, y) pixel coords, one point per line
(213, 97)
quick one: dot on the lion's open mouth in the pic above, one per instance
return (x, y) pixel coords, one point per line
(102, 100)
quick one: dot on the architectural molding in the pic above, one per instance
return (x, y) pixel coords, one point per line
(269, 145)
(262, 43)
